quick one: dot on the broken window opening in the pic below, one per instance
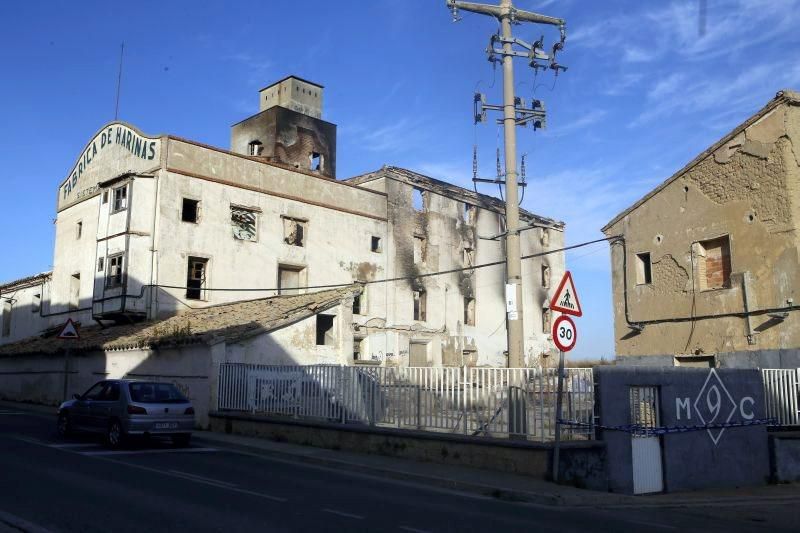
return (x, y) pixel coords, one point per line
(644, 269)
(289, 279)
(79, 229)
(469, 257)
(36, 303)
(114, 274)
(546, 315)
(375, 245)
(243, 222)
(546, 276)
(101, 263)
(358, 348)
(357, 304)
(315, 162)
(545, 237)
(196, 278)
(75, 292)
(6, 319)
(105, 197)
(714, 263)
(190, 210)
(420, 305)
(294, 231)
(418, 199)
(420, 254)
(120, 195)
(325, 333)
(469, 311)
(255, 148)
(469, 213)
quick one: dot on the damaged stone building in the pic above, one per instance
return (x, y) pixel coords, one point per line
(149, 227)
(705, 270)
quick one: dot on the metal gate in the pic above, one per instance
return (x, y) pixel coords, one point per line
(645, 447)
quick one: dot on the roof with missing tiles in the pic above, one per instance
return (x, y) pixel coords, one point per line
(448, 189)
(25, 281)
(211, 325)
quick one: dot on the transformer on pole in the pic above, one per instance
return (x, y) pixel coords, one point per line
(515, 113)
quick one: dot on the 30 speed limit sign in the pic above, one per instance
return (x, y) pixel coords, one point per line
(564, 333)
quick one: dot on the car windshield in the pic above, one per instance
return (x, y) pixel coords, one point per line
(156, 393)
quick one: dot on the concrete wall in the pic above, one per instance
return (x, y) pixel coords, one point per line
(582, 462)
(745, 189)
(22, 307)
(691, 460)
(52, 379)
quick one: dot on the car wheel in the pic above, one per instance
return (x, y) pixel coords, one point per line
(63, 427)
(115, 435)
(182, 440)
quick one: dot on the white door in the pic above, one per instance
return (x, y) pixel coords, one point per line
(646, 448)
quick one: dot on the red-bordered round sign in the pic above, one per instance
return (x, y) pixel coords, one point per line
(564, 333)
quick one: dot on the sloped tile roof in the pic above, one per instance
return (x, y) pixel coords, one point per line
(211, 325)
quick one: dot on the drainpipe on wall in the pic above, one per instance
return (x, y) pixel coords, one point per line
(749, 302)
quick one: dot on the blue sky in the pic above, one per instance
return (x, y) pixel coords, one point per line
(644, 93)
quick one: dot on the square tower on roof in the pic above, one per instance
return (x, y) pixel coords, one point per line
(293, 93)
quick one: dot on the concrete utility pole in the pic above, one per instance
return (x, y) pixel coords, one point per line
(514, 113)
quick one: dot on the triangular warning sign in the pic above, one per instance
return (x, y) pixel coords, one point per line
(69, 331)
(565, 299)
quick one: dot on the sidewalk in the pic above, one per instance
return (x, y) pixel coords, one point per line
(483, 482)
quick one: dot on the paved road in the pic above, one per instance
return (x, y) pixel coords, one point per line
(50, 484)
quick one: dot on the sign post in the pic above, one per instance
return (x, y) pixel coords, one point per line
(68, 332)
(565, 335)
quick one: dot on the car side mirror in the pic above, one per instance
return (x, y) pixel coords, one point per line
(76, 396)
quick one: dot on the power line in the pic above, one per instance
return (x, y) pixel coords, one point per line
(391, 280)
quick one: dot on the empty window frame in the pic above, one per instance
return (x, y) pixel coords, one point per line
(376, 245)
(418, 199)
(75, 291)
(714, 263)
(358, 304)
(469, 311)
(105, 197)
(244, 222)
(101, 264)
(469, 257)
(79, 229)
(359, 351)
(255, 148)
(420, 305)
(315, 162)
(469, 213)
(36, 303)
(546, 320)
(6, 319)
(190, 210)
(114, 273)
(294, 231)
(419, 250)
(196, 276)
(120, 198)
(644, 269)
(289, 278)
(325, 330)
(546, 276)
(545, 238)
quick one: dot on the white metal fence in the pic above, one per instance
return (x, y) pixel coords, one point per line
(470, 401)
(780, 395)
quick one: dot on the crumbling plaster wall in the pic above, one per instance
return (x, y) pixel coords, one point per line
(747, 189)
(447, 231)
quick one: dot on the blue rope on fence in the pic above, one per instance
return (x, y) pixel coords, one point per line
(649, 431)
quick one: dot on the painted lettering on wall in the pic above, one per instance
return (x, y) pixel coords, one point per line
(115, 134)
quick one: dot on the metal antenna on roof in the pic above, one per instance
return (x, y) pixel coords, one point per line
(119, 79)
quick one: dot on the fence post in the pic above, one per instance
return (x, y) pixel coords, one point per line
(559, 389)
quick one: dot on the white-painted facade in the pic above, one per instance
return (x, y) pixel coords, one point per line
(125, 251)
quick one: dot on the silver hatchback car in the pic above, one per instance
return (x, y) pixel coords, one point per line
(118, 408)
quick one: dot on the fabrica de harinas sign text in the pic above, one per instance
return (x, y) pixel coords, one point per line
(116, 134)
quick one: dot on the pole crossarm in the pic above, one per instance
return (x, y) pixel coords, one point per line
(516, 15)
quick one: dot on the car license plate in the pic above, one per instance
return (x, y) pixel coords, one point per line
(165, 425)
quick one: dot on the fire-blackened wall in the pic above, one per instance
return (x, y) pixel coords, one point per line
(290, 138)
